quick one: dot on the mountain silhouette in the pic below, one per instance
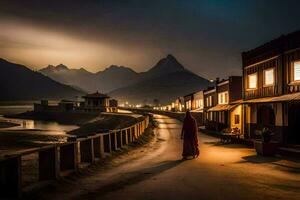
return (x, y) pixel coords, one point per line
(125, 84)
(167, 80)
(17, 82)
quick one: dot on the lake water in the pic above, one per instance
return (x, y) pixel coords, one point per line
(49, 127)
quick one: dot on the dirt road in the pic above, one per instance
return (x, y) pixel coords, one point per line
(157, 172)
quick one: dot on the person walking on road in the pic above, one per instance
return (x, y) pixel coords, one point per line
(189, 136)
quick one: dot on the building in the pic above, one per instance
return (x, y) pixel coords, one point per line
(113, 105)
(97, 102)
(179, 105)
(62, 106)
(188, 101)
(271, 88)
(198, 103)
(210, 100)
(223, 104)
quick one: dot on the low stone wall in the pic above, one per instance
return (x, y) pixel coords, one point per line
(55, 161)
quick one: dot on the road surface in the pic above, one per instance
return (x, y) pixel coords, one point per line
(157, 172)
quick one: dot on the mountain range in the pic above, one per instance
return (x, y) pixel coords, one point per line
(165, 81)
(17, 82)
(104, 81)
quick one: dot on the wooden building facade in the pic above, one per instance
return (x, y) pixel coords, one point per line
(224, 111)
(271, 88)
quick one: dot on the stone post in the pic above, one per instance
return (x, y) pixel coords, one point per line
(10, 177)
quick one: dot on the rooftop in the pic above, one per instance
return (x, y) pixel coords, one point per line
(96, 95)
(272, 48)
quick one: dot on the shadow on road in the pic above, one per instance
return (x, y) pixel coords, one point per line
(226, 145)
(259, 159)
(131, 178)
(271, 160)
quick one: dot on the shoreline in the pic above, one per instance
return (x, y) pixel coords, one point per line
(65, 118)
(88, 124)
(4, 124)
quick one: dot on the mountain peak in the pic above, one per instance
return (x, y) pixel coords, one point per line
(166, 65)
(61, 67)
(116, 68)
(170, 57)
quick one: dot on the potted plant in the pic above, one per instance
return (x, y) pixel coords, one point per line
(265, 146)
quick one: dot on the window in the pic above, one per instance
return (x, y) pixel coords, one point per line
(188, 105)
(210, 116)
(209, 101)
(223, 98)
(252, 81)
(236, 119)
(199, 103)
(296, 71)
(268, 77)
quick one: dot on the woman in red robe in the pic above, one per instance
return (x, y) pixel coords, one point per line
(189, 136)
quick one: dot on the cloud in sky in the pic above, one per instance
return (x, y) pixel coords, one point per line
(206, 36)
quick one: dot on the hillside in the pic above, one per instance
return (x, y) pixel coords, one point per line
(78, 78)
(164, 88)
(17, 82)
(107, 80)
(165, 81)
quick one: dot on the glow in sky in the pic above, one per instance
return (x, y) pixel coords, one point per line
(206, 36)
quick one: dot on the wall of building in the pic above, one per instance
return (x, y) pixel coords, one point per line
(236, 111)
(235, 88)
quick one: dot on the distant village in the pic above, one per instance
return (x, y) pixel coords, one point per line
(266, 96)
(95, 102)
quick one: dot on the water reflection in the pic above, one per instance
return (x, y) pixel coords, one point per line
(49, 127)
(43, 127)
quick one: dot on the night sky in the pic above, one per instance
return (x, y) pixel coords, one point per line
(206, 36)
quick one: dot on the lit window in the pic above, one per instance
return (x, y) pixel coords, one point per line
(268, 77)
(297, 71)
(209, 101)
(188, 105)
(223, 98)
(226, 97)
(201, 103)
(197, 103)
(252, 81)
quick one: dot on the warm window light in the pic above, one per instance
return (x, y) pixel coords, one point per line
(188, 104)
(252, 81)
(268, 77)
(223, 98)
(297, 71)
(209, 101)
(199, 103)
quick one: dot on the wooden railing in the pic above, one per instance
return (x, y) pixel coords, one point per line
(262, 92)
(54, 161)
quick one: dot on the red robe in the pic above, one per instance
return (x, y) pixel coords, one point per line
(189, 134)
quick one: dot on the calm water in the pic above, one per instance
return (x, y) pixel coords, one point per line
(48, 127)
